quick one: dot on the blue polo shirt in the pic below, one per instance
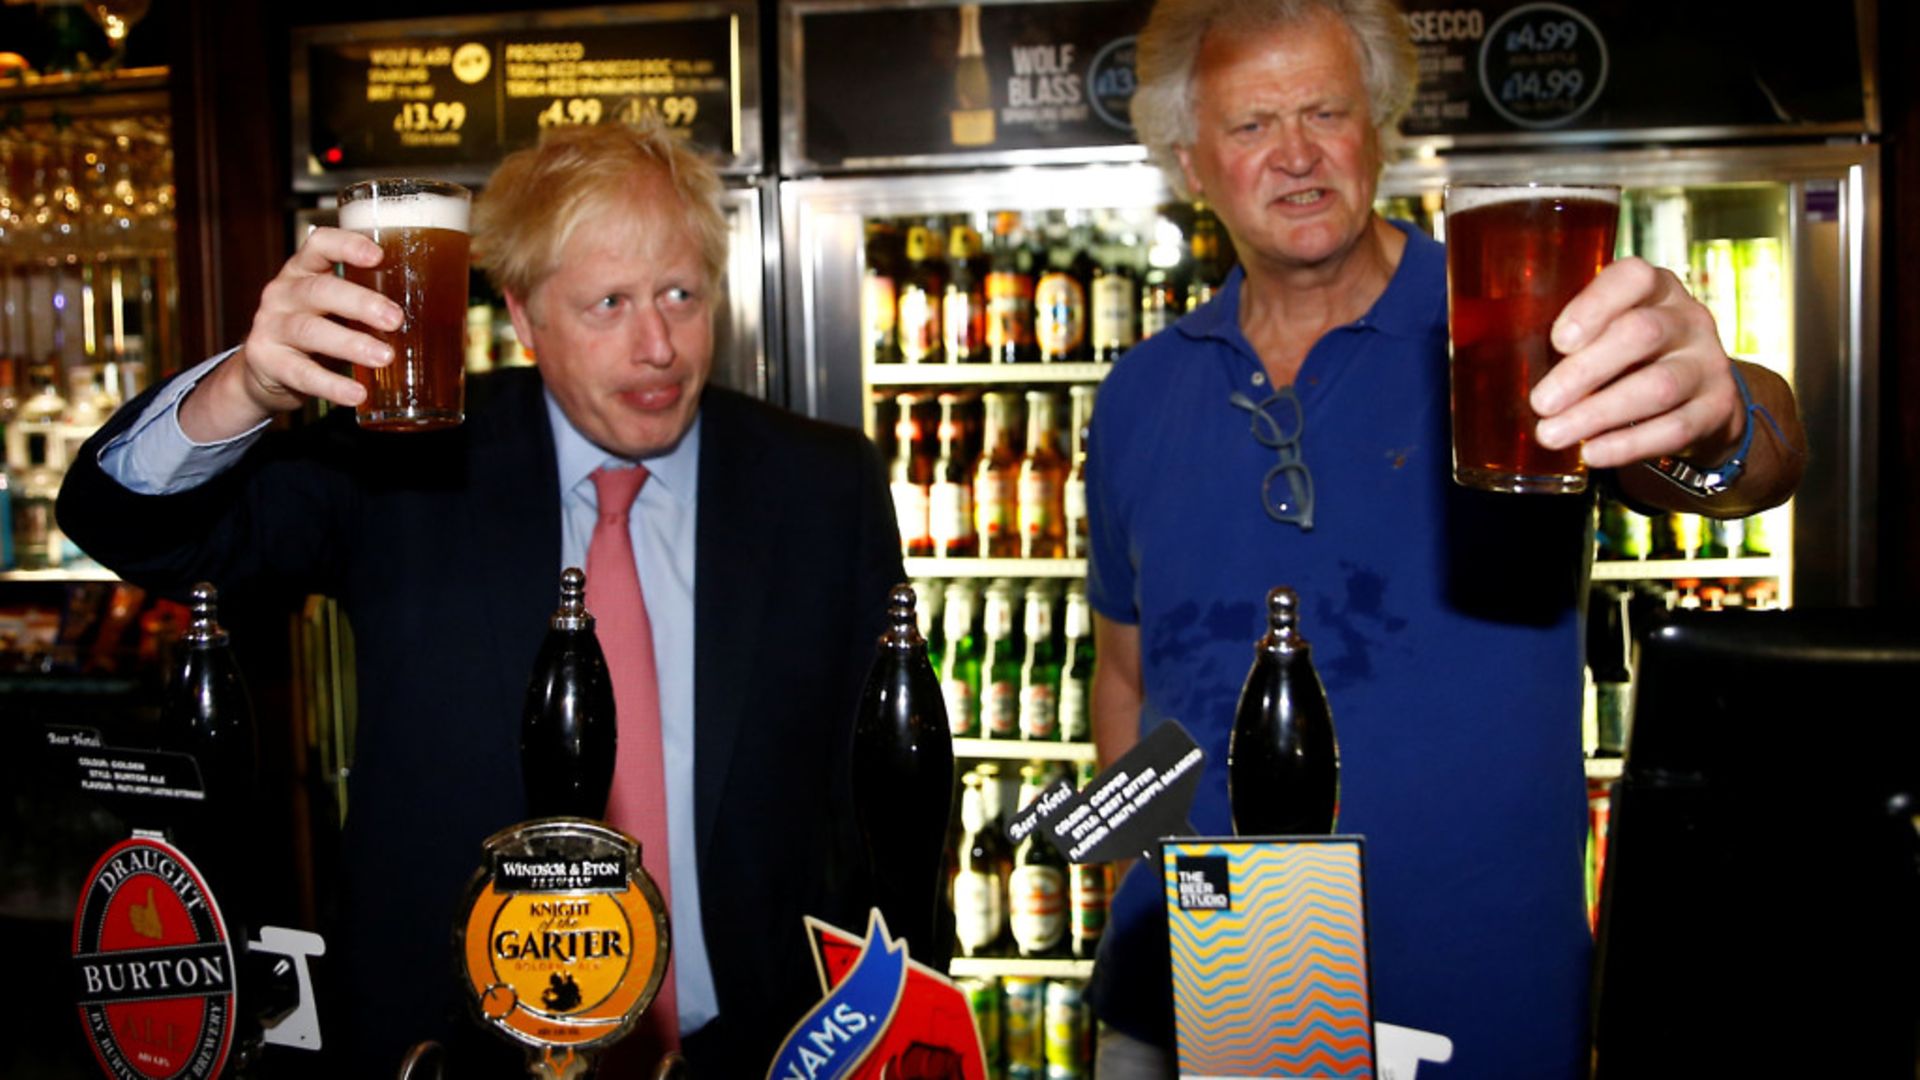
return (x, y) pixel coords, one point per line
(1444, 625)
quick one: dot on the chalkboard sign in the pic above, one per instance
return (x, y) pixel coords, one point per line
(450, 97)
(1704, 68)
(962, 83)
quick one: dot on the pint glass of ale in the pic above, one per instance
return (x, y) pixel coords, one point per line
(1515, 255)
(421, 227)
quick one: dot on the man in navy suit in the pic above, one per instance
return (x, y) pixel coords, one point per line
(764, 544)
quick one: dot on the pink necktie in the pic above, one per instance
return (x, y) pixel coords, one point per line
(638, 802)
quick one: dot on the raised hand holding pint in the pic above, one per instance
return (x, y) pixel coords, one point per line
(1516, 254)
(421, 227)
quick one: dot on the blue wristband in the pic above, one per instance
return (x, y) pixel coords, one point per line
(1708, 482)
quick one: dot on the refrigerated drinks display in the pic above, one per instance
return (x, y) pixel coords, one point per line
(1769, 217)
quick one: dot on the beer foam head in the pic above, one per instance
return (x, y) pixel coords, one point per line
(1463, 197)
(412, 211)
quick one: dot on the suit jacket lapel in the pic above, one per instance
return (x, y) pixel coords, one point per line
(734, 539)
(517, 514)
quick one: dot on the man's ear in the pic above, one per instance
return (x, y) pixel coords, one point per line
(1184, 154)
(523, 320)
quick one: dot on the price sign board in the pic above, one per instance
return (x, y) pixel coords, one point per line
(449, 97)
(883, 86)
(1580, 68)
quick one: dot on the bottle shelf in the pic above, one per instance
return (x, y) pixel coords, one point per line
(1675, 569)
(1041, 968)
(983, 374)
(920, 566)
(1022, 750)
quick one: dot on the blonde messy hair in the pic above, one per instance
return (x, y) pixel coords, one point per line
(538, 198)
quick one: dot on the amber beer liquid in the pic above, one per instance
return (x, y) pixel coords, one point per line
(1515, 256)
(421, 227)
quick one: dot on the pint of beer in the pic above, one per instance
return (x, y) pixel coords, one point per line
(421, 227)
(1516, 254)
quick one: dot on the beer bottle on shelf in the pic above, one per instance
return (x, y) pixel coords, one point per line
(1042, 486)
(1000, 689)
(1090, 891)
(1207, 269)
(1722, 538)
(963, 308)
(1625, 533)
(930, 611)
(950, 524)
(1060, 305)
(993, 799)
(980, 887)
(919, 319)
(903, 781)
(1040, 670)
(568, 727)
(1037, 901)
(1607, 652)
(879, 295)
(1009, 326)
(1676, 536)
(1073, 500)
(1115, 309)
(1636, 533)
(1754, 542)
(6, 515)
(960, 665)
(996, 481)
(1283, 762)
(910, 480)
(1162, 299)
(1686, 594)
(1076, 679)
(37, 541)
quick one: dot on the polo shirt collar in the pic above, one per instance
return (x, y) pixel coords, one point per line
(1403, 309)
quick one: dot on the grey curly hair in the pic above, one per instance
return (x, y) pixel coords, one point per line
(1169, 47)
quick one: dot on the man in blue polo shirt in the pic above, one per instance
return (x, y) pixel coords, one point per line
(1295, 431)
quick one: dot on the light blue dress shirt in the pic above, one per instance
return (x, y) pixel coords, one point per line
(155, 457)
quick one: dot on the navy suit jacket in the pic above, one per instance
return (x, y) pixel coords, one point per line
(444, 550)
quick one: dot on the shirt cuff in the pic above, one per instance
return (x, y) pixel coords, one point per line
(155, 457)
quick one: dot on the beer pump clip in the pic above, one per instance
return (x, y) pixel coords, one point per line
(158, 971)
(564, 942)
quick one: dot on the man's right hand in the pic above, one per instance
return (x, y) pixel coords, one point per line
(302, 315)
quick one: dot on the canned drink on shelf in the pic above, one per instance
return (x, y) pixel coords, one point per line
(1715, 285)
(1067, 1045)
(1760, 285)
(1024, 1029)
(983, 997)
